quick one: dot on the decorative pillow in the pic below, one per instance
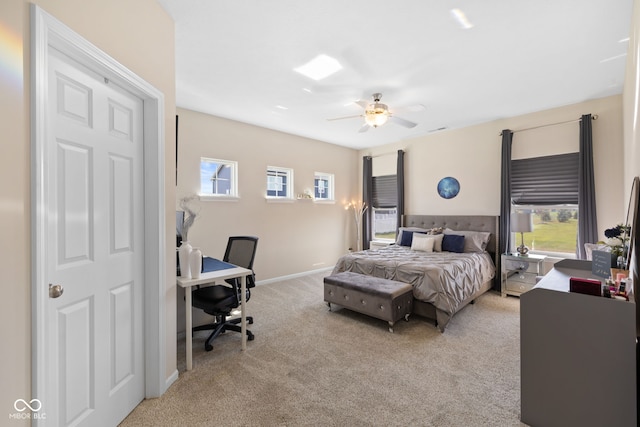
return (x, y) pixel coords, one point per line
(435, 230)
(453, 243)
(422, 242)
(475, 241)
(437, 241)
(407, 237)
(413, 229)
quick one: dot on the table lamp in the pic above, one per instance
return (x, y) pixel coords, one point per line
(521, 223)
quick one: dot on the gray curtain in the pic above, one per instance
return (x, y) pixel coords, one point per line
(587, 221)
(400, 191)
(367, 197)
(504, 240)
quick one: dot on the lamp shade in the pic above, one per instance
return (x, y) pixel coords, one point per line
(521, 222)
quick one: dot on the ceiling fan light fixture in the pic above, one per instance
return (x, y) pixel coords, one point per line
(376, 114)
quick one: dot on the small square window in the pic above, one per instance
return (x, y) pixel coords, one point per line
(218, 178)
(323, 186)
(279, 183)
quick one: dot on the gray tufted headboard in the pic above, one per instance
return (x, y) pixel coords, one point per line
(460, 222)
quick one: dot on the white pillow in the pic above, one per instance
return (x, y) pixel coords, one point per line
(437, 241)
(422, 242)
(474, 241)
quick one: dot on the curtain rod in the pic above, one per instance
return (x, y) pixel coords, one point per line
(594, 117)
(382, 154)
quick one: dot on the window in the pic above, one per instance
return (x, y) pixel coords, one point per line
(547, 187)
(555, 229)
(279, 183)
(323, 186)
(384, 223)
(218, 178)
(385, 203)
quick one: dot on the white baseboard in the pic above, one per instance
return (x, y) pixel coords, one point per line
(292, 276)
(169, 381)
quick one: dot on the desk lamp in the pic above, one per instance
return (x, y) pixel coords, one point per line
(521, 223)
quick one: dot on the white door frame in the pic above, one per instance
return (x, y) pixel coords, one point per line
(46, 32)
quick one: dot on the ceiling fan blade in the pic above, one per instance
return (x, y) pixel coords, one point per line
(402, 122)
(346, 117)
(363, 104)
(365, 127)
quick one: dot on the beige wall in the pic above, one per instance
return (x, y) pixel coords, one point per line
(631, 102)
(295, 237)
(472, 155)
(138, 34)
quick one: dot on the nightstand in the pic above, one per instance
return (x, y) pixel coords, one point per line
(519, 273)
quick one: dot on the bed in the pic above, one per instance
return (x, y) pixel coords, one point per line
(443, 282)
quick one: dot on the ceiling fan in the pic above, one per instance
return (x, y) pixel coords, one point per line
(377, 114)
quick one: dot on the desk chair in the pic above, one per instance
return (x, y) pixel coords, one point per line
(219, 300)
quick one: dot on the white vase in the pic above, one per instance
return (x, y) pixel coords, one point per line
(195, 262)
(184, 255)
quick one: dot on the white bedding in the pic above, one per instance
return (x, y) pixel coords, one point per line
(444, 279)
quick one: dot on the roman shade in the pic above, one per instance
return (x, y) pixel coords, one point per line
(548, 180)
(385, 191)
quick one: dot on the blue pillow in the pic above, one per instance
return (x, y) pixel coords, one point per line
(407, 237)
(453, 243)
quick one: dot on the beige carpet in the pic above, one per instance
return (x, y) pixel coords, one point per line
(309, 366)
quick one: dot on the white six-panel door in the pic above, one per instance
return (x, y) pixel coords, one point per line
(95, 247)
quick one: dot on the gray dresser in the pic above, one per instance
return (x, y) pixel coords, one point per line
(578, 354)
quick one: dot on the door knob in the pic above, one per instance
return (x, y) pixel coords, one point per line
(55, 290)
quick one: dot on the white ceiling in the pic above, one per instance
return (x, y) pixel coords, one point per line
(235, 59)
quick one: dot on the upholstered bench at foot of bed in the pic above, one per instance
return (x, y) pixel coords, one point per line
(376, 297)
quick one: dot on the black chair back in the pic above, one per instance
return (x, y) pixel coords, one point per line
(241, 251)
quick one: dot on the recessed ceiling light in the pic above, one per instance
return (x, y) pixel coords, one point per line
(459, 16)
(306, 89)
(320, 67)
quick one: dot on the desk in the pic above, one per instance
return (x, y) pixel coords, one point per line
(210, 278)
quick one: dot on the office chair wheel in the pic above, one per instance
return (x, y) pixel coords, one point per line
(250, 336)
(208, 347)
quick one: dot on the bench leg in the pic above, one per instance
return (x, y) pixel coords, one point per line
(406, 317)
(329, 305)
(391, 327)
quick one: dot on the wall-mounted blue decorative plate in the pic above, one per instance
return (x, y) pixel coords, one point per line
(448, 187)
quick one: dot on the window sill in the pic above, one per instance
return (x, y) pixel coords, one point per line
(212, 198)
(324, 201)
(279, 200)
(554, 255)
